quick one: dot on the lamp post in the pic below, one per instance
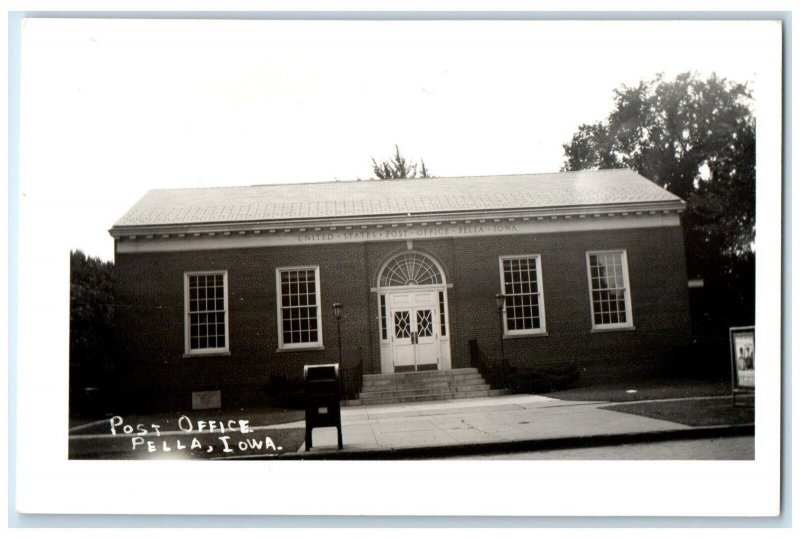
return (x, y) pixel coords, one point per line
(337, 312)
(501, 305)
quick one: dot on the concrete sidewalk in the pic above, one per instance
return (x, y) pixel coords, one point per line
(507, 423)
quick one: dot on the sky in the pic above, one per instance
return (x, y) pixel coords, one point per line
(113, 108)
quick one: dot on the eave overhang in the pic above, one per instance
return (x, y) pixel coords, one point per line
(410, 220)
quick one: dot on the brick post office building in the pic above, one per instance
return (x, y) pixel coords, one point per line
(222, 290)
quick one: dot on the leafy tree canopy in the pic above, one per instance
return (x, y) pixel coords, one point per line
(398, 167)
(695, 138)
(91, 319)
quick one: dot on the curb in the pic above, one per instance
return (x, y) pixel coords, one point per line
(547, 444)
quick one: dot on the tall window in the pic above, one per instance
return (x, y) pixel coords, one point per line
(384, 335)
(442, 319)
(608, 281)
(206, 309)
(299, 316)
(521, 282)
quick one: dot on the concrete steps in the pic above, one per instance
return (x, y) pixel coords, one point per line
(421, 390)
(424, 386)
(414, 383)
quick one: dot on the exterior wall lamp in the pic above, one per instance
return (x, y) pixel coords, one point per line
(337, 312)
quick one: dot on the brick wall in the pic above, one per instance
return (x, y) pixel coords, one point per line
(153, 370)
(151, 320)
(658, 288)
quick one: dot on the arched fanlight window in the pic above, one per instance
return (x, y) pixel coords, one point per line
(410, 269)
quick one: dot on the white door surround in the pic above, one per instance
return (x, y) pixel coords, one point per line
(412, 307)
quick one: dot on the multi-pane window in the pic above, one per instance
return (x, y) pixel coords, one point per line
(608, 280)
(410, 269)
(521, 282)
(442, 319)
(402, 325)
(299, 323)
(206, 300)
(384, 335)
(424, 323)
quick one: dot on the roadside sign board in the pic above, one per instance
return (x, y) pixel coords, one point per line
(743, 359)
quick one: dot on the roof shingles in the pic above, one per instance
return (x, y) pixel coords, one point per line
(331, 200)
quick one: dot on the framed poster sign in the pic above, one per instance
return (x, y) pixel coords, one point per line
(743, 354)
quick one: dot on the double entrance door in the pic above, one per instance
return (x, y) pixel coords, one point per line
(415, 334)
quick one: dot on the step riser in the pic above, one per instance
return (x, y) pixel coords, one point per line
(417, 387)
(424, 386)
(428, 397)
(421, 374)
(359, 402)
(408, 383)
(423, 391)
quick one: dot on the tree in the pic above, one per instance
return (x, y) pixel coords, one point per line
(695, 138)
(91, 327)
(723, 207)
(397, 167)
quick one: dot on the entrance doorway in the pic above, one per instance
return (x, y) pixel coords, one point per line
(413, 311)
(415, 339)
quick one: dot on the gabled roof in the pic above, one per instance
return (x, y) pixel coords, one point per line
(338, 201)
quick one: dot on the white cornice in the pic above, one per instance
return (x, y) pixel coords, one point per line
(433, 228)
(380, 221)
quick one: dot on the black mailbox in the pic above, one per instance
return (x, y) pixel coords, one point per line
(322, 399)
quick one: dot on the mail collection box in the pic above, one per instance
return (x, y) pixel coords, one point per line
(322, 395)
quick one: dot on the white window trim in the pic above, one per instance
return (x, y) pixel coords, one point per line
(279, 304)
(187, 324)
(542, 330)
(628, 310)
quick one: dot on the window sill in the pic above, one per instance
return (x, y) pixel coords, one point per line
(219, 353)
(301, 349)
(525, 335)
(607, 330)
